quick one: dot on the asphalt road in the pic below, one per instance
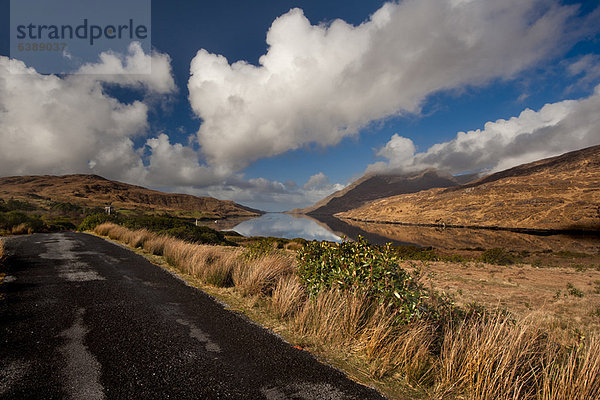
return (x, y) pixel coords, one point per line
(83, 318)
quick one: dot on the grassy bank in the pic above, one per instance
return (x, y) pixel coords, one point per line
(356, 306)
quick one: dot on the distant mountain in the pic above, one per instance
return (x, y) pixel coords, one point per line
(93, 190)
(555, 193)
(376, 186)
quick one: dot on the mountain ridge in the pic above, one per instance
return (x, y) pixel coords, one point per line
(95, 190)
(556, 193)
(373, 186)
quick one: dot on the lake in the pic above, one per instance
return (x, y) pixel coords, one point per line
(285, 226)
(333, 229)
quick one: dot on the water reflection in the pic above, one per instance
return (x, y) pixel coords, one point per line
(462, 238)
(333, 229)
(285, 226)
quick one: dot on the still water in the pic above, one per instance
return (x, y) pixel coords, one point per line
(333, 229)
(285, 226)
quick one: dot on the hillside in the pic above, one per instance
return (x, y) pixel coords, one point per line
(93, 190)
(375, 186)
(556, 193)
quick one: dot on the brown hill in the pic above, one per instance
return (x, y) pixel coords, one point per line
(556, 193)
(93, 190)
(375, 186)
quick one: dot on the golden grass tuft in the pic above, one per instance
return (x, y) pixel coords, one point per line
(137, 238)
(516, 360)
(288, 296)
(21, 229)
(104, 228)
(260, 275)
(219, 272)
(333, 316)
(495, 356)
(156, 244)
(406, 350)
(573, 374)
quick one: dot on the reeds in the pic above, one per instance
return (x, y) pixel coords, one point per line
(288, 296)
(487, 358)
(21, 229)
(571, 373)
(261, 275)
(491, 356)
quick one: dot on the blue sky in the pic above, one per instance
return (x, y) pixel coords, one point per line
(342, 88)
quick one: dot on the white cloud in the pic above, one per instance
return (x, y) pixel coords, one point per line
(587, 71)
(175, 164)
(555, 129)
(399, 150)
(54, 125)
(321, 83)
(135, 69)
(62, 125)
(265, 194)
(316, 181)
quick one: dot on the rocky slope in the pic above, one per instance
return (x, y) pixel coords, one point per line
(375, 186)
(556, 193)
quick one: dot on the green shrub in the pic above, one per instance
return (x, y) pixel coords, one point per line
(259, 248)
(573, 291)
(498, 256)
(195, 234)
(58, 224)
(16, 205)
(93, 220)
(161, 224)
(67, 208)
(11, 219)
(358, 266)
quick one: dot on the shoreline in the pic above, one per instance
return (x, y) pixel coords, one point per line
(530, 231)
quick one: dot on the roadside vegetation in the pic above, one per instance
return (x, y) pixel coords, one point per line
(164, 225)
(19, 217)
(356, 304)
(23, 217)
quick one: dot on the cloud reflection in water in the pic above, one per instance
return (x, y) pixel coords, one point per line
(285, 226)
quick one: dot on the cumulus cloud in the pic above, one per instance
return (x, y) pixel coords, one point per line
(320, 83)
(53, 125)
(317, 181)
(61, 125)
(555, 129)
(176, 164)
(137, 69)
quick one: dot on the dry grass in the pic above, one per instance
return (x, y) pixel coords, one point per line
(261, 275)
(504, 360)
(487, 357)
(406, 350)
(288, 296)
(156, 244)
(334, 317)
(572, 374)
(493, 358)
(2, 251)
(21, 229)
(522, 289)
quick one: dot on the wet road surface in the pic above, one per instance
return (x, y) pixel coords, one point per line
(83, 318)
